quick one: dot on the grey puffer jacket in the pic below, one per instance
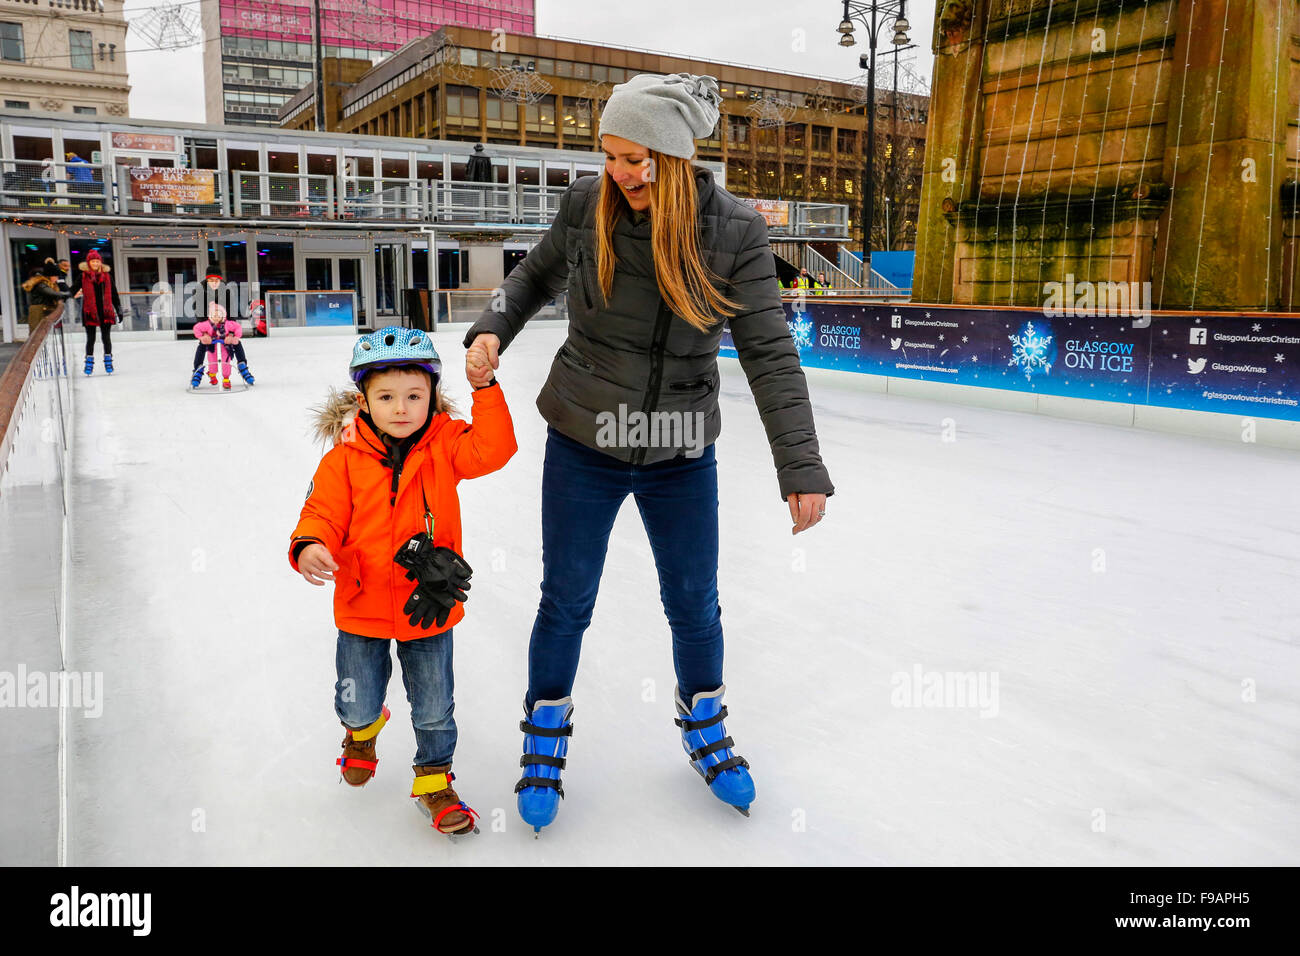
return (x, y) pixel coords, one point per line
(634, 352)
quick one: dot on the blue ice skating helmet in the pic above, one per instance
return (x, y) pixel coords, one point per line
(394, 346)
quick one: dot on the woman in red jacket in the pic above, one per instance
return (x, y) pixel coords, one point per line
(99, 307)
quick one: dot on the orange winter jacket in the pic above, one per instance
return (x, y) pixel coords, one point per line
(363, 516)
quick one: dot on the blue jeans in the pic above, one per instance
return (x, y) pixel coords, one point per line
(582, 491)
(364, 666)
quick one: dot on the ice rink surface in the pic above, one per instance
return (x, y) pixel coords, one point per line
(1133, 595)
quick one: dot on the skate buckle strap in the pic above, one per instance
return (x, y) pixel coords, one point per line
(713, 748)
(717, 718)
(565, 731)
(463, 807)
(540, 782)
(348, 762)
(712, 772)
(542, 760)
(365, 733)
(431, 783)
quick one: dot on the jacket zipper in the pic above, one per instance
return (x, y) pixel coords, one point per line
(582, 278)
(704, 383)
(574, 357)
(662, 323)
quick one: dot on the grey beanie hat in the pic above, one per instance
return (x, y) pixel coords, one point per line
(664, 113)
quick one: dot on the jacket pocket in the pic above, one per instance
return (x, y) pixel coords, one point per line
(347, 579)
(705, 385)
(573, 359)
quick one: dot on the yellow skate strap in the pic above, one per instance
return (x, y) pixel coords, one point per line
(432, 783)
(365, 733)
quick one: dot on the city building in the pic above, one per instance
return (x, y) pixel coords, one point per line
(781, 136)
(265, 53)
(64, 56)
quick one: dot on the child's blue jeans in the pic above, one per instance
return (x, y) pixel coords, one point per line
(364, 666)
(582, 491)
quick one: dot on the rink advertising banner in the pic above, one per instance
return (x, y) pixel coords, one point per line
(1234, 364)
(150, 142)
(163, 184)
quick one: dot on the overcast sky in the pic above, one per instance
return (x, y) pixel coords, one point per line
(169, 85)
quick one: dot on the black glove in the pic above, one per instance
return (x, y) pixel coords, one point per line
(434, 567)
(428, 607)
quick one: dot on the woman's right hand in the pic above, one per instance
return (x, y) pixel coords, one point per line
(315, 564)
(481, 359)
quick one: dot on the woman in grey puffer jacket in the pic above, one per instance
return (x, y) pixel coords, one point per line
(654, 255)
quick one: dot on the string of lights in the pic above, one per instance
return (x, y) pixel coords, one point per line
(204, 234)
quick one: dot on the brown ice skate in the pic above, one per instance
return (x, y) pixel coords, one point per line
(359, 761)
(439, 802)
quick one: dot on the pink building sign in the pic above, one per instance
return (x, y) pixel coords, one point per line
(371, 24)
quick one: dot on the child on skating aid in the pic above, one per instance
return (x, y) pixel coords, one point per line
(218, 330)
(382, 521)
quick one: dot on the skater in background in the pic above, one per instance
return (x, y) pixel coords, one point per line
(67, 282)
(99, 307)
(44, 294)
(391, 477)
(662, 214)
(218, 331)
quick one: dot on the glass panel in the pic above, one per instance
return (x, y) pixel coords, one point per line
(275, 266)
(320, 274)
(350, 275)
(141, 273)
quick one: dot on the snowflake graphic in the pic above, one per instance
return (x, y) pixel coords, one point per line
(1032, 351)
(801, 330)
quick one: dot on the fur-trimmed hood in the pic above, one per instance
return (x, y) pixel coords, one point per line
(106, 268)
(332, 417)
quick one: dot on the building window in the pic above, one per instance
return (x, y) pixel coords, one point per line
(84, 110)
(80, 46)
(11, 41)
(17, 105)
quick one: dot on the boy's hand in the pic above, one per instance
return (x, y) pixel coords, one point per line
(205, 339)
(316, 565)
(481, 359)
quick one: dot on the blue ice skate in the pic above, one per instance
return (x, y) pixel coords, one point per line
(108, 364)
(705, 741)
(243, 370)
(90, 364)
(198, 377)
(546, 741)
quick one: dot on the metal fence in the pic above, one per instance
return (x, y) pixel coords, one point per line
(46, 185)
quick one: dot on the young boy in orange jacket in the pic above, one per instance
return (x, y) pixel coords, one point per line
(382, 521)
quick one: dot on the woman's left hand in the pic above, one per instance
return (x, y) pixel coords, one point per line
(806, 511)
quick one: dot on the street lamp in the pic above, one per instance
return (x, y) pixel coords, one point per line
(872, 15)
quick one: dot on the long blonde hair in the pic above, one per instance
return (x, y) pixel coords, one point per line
(680, 272)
